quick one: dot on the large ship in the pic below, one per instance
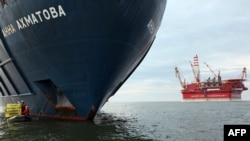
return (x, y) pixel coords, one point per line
(212, 88)
(66, 58)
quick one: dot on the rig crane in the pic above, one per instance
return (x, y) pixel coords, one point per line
(196, 75)
(211, 70)
(177, 73)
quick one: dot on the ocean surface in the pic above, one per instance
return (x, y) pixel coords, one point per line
(137, 121)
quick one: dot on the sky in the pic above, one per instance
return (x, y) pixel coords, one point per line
(218, 31)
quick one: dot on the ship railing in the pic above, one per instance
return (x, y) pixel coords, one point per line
(210, 84)
(23, 94)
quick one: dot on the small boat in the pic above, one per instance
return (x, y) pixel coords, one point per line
(19, 118)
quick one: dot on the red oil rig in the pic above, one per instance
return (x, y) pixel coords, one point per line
(211, 89)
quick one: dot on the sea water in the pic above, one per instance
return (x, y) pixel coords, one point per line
(137, 121)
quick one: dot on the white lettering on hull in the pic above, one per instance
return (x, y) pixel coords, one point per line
(8, 30)
(34, 18)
